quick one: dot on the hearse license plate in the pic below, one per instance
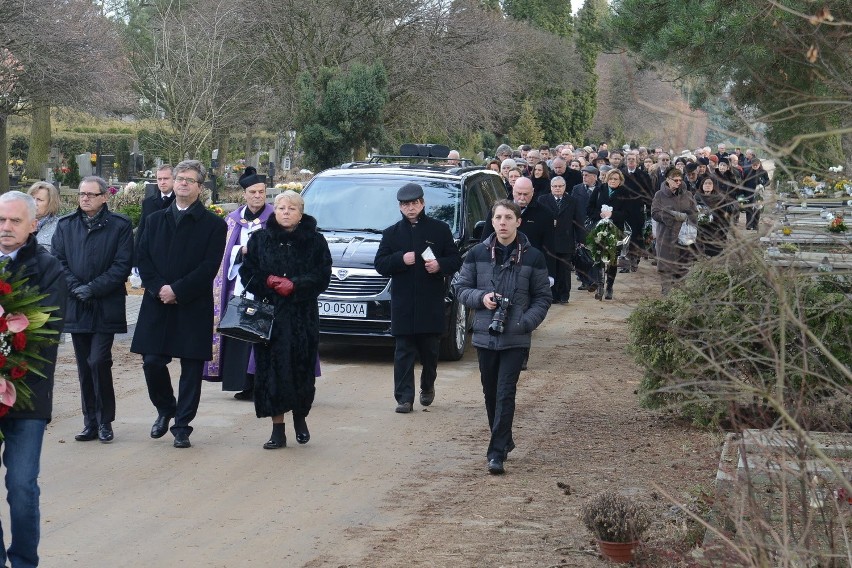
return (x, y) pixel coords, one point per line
(343, 309)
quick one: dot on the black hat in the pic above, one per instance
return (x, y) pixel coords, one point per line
(409, 192)
(590, 170)
(249, 178)
(702, 161)
(691, 167)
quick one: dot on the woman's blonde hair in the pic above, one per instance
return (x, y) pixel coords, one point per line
(292, 197)
(52, 195)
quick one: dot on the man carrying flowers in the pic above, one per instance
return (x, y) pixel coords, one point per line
(25, 417)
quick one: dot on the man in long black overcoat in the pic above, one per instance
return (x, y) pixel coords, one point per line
(568, 230)
(418, 253)
(178, 255)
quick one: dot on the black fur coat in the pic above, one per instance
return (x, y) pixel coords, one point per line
(286, 375)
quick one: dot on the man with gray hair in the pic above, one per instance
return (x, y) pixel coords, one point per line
(179, 253)
(503, 152)
(95, 248)
(23, 428)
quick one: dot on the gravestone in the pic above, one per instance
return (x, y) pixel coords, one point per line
(84, 164)
(108, 171)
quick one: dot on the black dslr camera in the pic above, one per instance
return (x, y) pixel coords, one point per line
(498, 320)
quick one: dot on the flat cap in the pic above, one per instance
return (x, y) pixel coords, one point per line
(590, 170)
(409, 192)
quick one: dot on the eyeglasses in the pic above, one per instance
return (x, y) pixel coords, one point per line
(676, 180)
(86, 195)
(665, 160)
(181, 179)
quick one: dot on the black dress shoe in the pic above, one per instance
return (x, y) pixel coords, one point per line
(245, 395)
(105, 434)
(160, 427)
(303, 435)
(495, 466)
(182, 441)
(404, 407)
(88, 434)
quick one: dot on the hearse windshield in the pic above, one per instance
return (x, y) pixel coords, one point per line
(362, 203)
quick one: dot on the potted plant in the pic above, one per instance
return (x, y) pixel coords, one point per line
(617, 522)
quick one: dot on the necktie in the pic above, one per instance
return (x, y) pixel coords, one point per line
(558, 202)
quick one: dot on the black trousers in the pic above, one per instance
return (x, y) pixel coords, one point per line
(559, 266)
(499, 371)
(93, 352)
(162, 395)
(408, 348)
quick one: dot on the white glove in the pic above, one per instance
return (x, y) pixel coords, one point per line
(551, 280)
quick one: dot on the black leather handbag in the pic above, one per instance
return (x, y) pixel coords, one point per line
(247, 320)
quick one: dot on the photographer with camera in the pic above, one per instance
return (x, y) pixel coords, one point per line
(504, 280)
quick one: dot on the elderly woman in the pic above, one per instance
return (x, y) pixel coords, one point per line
(289, 264)
(718, 207)
(672, 206)
(47, 206)
(507, 166)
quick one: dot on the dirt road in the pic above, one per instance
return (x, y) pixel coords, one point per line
(376, 488)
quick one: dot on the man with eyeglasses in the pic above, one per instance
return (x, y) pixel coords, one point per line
(639, 187)
(418, 253)
(672, 206)
(568, 231)
(179, 254)
(95, 248)
(658, 174)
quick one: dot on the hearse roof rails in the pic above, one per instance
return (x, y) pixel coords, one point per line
(427, 154)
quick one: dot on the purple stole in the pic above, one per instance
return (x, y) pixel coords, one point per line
(223, 288)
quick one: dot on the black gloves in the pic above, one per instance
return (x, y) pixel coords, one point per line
(82, 293)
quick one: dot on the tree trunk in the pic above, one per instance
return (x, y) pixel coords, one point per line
(40, 137)
(4, 154)
(249, 137)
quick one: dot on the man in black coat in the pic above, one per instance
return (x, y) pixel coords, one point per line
(23, 428)
(582, 192)
(95, 248)
(160, 199)
(179, 254)
(640, 188)
(536, 221)
(568, 230)
(418, 253)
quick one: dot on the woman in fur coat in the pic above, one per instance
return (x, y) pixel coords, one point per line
(289, 264)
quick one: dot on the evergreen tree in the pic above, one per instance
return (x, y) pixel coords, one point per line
(340, 113)
(527, 129)
(553, 16)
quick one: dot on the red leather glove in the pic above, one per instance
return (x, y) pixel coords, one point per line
(282, 285)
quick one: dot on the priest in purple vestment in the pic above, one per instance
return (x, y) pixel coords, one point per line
(233, 360)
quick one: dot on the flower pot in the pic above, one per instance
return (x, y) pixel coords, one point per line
(618, 551)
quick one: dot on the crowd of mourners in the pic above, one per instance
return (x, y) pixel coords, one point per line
(647, 193)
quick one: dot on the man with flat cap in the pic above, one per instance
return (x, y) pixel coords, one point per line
(418, 253)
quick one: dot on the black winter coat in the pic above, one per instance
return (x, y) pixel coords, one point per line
(639, 185)
(417, 297)
(624, 208)
(286, 368)
(523, 280)
(568, 226)
(187, 256)
(43, 270)
(536, 224)
(149, 205)
(102, 258)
